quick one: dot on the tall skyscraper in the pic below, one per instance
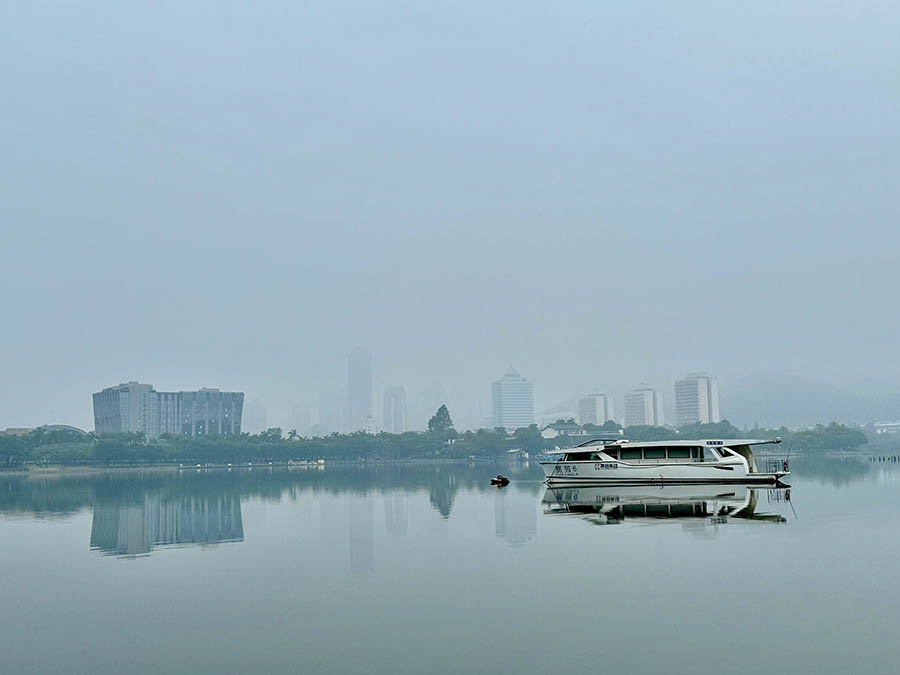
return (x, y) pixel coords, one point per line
(644, 406)
(596, 409)
(359, 388)
(696, 399)
(394, 419)
(513, 401)
(136, 407)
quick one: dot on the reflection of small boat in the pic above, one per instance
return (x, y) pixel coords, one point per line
(621, 462)
(500, 480)
(608, 505)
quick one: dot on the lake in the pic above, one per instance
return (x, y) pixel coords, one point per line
(426, 568)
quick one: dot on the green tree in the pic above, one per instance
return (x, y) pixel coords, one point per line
(441, 422)
(528, 439)
(271, 434)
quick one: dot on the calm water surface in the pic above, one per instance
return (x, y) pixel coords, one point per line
(428, 569)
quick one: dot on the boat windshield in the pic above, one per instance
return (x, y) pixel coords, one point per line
(582, 456)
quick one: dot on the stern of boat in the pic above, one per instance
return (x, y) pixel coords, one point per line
(778, 469)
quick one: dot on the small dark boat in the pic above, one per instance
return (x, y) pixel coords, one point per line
(500, 480)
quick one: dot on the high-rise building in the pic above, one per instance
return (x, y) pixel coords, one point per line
(644, 406)
(136, 407)
(394, 419)
(513, 401)
(129, 407)
(359, 388)
(696, 399)
(210, 412)
(596, 409)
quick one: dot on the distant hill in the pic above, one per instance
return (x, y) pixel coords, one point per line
(772, 400)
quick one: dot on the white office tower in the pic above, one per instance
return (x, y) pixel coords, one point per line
(513, 401)
(596, 409)
(643, 407)
(394, 418)
(696, 399)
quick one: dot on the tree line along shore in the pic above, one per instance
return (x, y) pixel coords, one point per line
(440, 441)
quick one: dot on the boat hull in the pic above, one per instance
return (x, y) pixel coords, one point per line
(622, 473)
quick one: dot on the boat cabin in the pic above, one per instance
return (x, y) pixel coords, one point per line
(652, 452)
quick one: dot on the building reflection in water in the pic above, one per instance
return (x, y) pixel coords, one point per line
(362, 534)
(133, 529)
(396, 516)
(515, 517)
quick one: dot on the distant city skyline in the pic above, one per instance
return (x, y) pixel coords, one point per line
(329, 414)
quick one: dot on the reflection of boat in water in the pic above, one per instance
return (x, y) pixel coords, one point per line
(608, 505)
(662, 462)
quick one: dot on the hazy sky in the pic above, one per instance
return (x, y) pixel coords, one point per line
(236, 194)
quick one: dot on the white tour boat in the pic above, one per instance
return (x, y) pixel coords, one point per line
(667, 462)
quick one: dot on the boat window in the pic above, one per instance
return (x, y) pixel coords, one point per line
(679, 453)
(612, 452)
(699, 454)
(596, 457)
(725, 453)
(630, 453)
(578, 456)
(654, 453)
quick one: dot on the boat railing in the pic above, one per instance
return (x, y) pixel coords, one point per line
(775, 465)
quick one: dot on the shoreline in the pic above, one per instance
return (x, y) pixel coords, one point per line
(89, 469)
(48, 470)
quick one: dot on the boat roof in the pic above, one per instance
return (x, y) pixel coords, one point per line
(724, 442)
